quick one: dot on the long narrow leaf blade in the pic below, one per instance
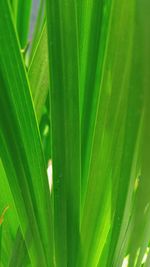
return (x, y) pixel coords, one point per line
(22, 155)
(63, 58)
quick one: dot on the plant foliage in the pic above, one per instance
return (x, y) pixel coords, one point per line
(75, 133)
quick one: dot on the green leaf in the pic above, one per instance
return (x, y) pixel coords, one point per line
(139, 239)
(113, 139)
(94, 28)
(19, 255)
(38, 74)
(22, 154)
(133, 120)
(65, 119)
(10, 219)
(22, 11)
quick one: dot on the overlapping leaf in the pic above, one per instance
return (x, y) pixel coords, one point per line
(22, 154)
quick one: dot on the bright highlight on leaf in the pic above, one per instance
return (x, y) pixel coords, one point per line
(49, 173)
(125, 262)
(75, 133)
